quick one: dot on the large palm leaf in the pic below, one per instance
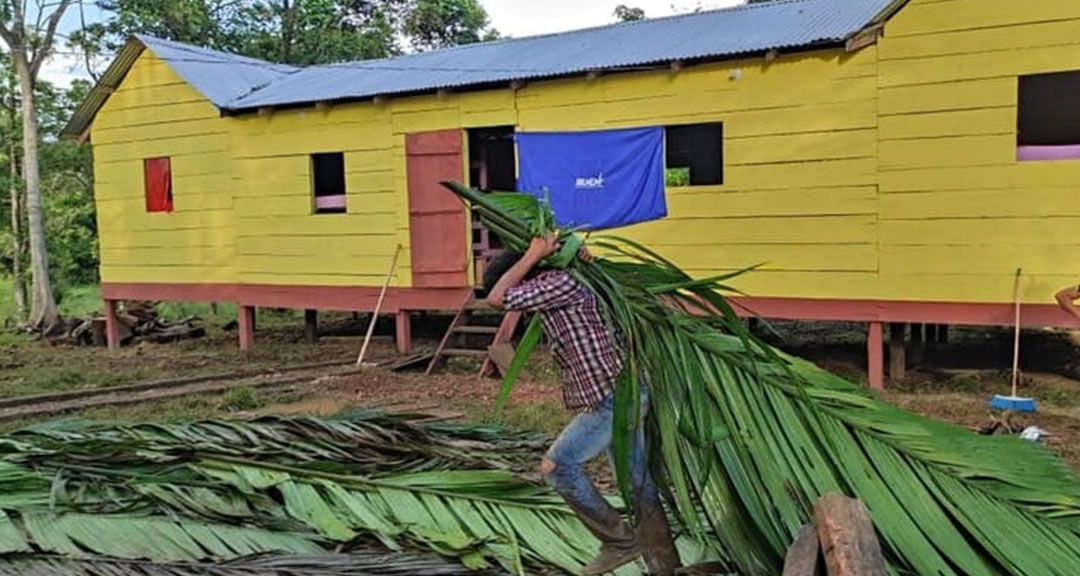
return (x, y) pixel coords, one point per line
(205, 492)
(749, 438)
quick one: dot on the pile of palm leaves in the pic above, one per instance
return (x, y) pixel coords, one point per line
(747, 438)
(293, 496)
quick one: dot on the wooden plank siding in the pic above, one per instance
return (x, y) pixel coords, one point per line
(799, 195)
(958, 213)
(155, 113)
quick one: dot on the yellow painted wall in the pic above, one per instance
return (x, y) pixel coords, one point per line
(799, 191)
(959, 214)
(280, 241)
(154, 113)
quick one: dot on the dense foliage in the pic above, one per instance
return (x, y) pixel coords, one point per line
(299, 32)
(67, 182)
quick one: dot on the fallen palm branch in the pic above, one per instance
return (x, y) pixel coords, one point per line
(353, 564)
(200, 494)
(749, 438)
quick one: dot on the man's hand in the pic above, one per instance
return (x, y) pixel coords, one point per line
(542, 247)
(584, 255)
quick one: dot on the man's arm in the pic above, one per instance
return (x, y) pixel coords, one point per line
(1067, 300)
(539, 249)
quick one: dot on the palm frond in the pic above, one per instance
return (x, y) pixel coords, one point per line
(357, 563)
(749, 438)
(221, 490)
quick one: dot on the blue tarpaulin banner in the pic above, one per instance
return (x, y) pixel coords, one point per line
(596, 180)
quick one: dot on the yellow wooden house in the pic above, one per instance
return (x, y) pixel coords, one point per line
(888, 161)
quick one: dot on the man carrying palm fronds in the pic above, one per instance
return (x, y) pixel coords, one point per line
(590, 356)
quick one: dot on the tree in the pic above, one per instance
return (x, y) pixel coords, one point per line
(433, 24)
(30, 44)
(629, 14)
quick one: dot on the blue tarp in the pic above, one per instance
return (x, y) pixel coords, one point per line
(596, 180)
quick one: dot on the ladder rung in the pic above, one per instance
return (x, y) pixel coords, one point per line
(476, 329)
(464, 352)
(478, 304)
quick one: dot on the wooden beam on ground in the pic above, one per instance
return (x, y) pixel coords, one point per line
(311, 326)
(804, 555)
(897, 359)
(849, 544)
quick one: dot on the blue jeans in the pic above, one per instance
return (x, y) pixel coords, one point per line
(586, 437)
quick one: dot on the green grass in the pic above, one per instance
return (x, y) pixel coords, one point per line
(81, 302)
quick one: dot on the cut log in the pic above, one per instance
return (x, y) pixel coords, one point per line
(848, 541)
(804, 555)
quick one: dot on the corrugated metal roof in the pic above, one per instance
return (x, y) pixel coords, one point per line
(730, 32)
(219, 76)
(234, 82)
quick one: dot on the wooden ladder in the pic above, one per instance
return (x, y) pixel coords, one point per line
(465, 326)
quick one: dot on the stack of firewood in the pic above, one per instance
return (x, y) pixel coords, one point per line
(137, 321)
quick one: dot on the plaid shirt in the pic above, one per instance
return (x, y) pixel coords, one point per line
(588, 353)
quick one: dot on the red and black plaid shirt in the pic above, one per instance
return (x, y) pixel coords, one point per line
(587, 351)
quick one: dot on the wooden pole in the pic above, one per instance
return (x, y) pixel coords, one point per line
(1016, 337)
(311, 326)
(378, 307)
(897, 360)
(875, 355)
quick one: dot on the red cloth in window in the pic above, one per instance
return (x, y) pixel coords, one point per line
(158, 180)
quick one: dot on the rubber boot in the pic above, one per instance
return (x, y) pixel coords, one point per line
(619, 544)
(654, 537)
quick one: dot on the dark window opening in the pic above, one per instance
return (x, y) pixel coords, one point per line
(695, 154)
(157, 181)
(328, 180)
(492, 159)
(1048, 118)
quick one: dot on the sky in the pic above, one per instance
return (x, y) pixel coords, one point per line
(515, 18)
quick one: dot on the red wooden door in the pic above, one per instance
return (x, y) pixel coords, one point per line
(437, 221)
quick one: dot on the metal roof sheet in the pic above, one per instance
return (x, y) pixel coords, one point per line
(219, 76)
(233, 82)
(751, 28)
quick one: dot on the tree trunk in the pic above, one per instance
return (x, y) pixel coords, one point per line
(43, 312)
(288, 25)
(18, 281)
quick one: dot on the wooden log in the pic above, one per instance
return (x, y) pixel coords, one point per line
(849, 544)
(804, 555)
